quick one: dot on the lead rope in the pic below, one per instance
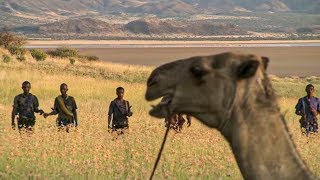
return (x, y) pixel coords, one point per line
(160, 152)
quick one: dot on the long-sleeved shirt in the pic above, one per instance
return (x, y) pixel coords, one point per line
(304, 104)
(26, 105)
(119, 110)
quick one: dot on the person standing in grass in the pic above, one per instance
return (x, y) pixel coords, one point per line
(119, 111)
(66, 108)
(308, 108)
(25, 105)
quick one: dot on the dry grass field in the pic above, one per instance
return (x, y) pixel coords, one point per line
(90, 152)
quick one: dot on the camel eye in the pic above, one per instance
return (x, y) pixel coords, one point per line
(198, 71)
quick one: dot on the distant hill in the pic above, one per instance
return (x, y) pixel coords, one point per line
(154, 26)
(169, 18)
(161, 7)
(306, 6)
(146, 26)
(201, 28)
(244, 5)
(79, 25)
(169, 8)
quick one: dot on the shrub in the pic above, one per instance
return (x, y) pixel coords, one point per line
(21, 58)
(17, 50)
(6, 58)
(72, 61)
(8, 39)
(38, 54)
(92, 58)
(64, 52)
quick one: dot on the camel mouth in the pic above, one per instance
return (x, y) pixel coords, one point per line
(161, 110)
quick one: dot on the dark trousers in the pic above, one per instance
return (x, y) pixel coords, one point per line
(27, 123)
(64, 122)
(310, 125)
(120, 125)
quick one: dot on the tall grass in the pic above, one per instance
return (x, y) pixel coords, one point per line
(91, 152)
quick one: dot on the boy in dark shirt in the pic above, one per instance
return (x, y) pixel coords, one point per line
(119, 111)
(308, 108)
(25, 105)
(66, 108)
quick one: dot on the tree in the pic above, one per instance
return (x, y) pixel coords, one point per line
(8, 39)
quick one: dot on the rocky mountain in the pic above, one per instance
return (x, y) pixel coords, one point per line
(79, 26)
(197, 28)
(244, 5)
(157, 7)
(146, 26)
(161, 18)
(169, 8)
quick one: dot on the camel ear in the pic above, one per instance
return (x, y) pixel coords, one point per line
(265, 62)
(247, 69)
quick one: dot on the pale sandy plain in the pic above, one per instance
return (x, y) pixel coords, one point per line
(287, 58)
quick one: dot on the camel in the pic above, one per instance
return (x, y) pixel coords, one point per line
(232, 93)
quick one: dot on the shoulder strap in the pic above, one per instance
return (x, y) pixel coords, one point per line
(303, 105)
(120, 109)
(63, 106)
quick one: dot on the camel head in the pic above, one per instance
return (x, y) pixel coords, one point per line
(205, 86)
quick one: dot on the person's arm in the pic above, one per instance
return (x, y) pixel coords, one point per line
(299, 108)
(188, 120)
(14, 112)
(13, 116)
(54, 110)
(314, 111)
(317, 110)
(129, 109)
(49, 114)
(74, 112)
(299, 112)
(109, 121)
(36, 106)
(75, 116)
(110, 112)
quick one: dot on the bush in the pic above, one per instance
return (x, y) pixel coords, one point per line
(38, 54)
(64, 52)
(21, 58)
(72, 61)
(6, 58)
(17, 50)
(92, 58)
(8, 39)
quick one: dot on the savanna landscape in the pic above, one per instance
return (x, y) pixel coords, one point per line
(91, 152)
(95, 46)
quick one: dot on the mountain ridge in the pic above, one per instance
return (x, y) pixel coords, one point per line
(161, 7)
(162, 18)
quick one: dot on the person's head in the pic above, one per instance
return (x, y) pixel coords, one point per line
(120, 92)
(63, 89)
(310, 89)
(26, 86)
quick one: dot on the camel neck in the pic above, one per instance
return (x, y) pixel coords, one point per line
(262, 145)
